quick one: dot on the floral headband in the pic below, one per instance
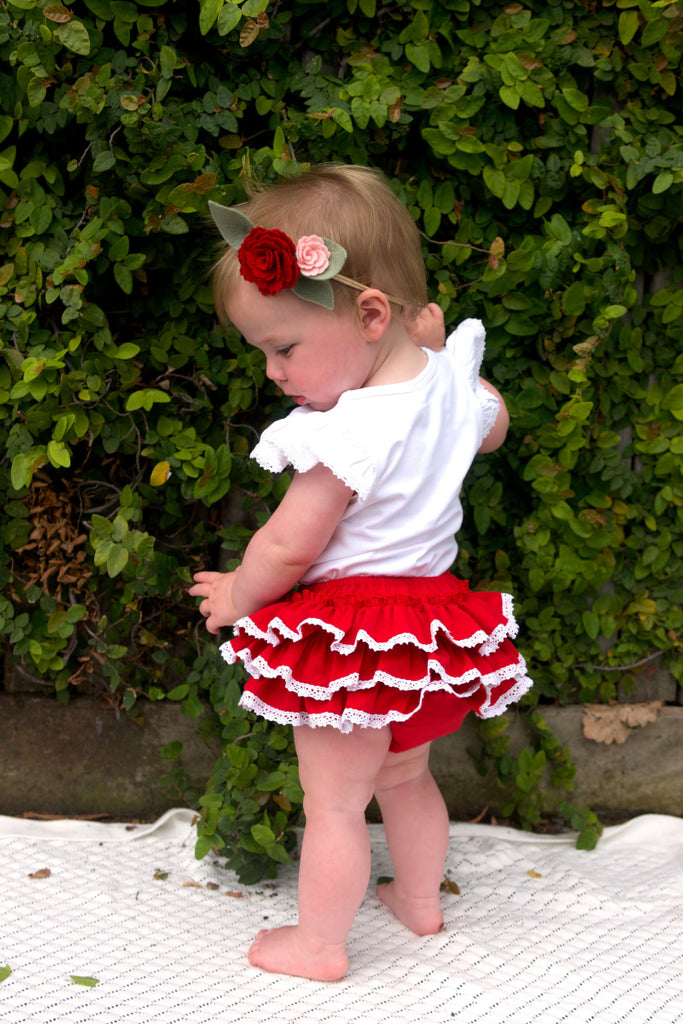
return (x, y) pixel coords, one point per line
(270, 259)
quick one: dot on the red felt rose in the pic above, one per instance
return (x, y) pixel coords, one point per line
(268, 259)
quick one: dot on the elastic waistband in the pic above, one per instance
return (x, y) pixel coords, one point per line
(445, 587)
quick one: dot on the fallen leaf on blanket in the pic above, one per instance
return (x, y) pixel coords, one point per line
(212, 885)
(448, 885)
(534, 874)
(5, 973)
(88, 982)
(43, 873)
(614, 723)
(236, 895)
(160, 876)
(191, 885)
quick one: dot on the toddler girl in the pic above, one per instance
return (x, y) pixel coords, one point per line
(379, 650)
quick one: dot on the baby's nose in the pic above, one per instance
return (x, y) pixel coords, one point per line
(274, 371)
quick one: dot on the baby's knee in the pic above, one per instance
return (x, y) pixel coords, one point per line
(403, 769)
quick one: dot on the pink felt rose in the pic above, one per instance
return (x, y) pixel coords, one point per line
(312, 255)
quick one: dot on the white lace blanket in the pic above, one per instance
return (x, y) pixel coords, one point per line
(540, 933)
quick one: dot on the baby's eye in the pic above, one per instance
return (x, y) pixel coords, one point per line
(285, 352)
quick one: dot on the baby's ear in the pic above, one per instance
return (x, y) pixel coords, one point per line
(374, 313)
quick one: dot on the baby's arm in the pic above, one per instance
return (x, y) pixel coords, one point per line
(498, 431)
(279, 553)
(427, 329)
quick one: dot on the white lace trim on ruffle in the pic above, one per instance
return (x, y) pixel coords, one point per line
(464, 685)
(522, 686)
(344, 722)
(487, 642)
(353, 716)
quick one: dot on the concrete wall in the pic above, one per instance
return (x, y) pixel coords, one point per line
(85, 759)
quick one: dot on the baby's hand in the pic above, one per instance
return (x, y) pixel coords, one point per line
(217, 607)
(428, 330)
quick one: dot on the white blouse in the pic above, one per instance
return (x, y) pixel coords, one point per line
(405, 450)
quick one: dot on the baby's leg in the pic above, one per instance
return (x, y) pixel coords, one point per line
(416, 826)
(337, 774)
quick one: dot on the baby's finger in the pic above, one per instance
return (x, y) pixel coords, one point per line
(205, 576)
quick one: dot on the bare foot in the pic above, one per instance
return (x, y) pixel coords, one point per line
(283, 951)
(422, 914)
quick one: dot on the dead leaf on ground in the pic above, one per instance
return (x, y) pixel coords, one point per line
(43, 873)
(614, 723)
(448, 885)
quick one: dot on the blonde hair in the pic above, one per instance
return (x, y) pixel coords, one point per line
(353, 206)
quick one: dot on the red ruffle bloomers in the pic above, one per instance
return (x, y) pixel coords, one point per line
(414, 653)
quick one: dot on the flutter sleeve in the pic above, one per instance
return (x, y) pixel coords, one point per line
(466, 347)
(305, 437)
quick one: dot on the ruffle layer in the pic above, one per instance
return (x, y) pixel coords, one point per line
(483, 620)
(367, 650)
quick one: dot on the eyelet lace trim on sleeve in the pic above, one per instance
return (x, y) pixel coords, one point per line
(304, 440)
(490, 408)
(466, 344)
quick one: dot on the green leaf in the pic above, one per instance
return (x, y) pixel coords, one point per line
(58, 454)
(495, 181)
(87, 982)
(203, 846)
(36, 92)
(5, 973)
(587, 839)
(662, 182)
(228, 18)
(627, 26)
(263, 835)
(103, 162)
(614, 312)
(117, 560)
(509, 96)
(179, 692)
(208, 12)
(432, 220)
(576, 99)
(145, 399)
(574, 299)
(419, 56)
(127, 351)
(74, 35)
(123, 277)
(172, 751)
(591, 624)
(167, 61)
(560, 229)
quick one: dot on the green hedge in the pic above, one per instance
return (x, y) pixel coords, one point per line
(538, 148)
